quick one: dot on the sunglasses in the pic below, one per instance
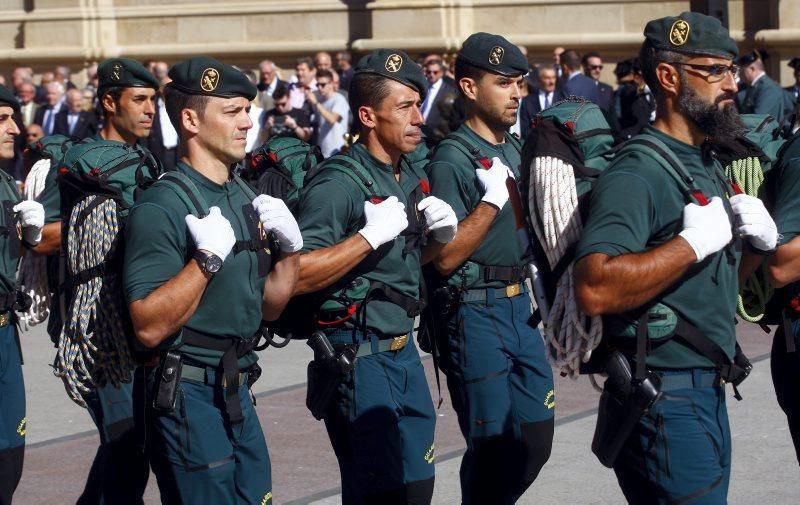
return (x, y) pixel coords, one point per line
(595, 67)
(321, 85)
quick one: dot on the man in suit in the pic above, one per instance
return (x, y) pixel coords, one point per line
(437, 109)
(762, 95)
(574, 82)
(794, 89)
(74, 121)
(266, 86)
(545, 96)
(26, 92)
(46, 114)
(592, 66)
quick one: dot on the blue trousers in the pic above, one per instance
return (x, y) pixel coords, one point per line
(381, 424)
(199, 457)
(501, 387)
(12, 414)
(120, 469)
(680, 452)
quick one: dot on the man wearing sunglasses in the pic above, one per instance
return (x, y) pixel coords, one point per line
(331, 112)
(592, 67)
(653, 246)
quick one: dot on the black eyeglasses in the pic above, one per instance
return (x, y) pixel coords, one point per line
(596, 67)
(717, 70)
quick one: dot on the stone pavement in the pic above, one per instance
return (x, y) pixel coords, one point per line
(61, 441)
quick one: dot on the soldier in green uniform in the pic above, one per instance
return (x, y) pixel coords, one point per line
(22, 226)
(365, 217)
(761, 95)
(499, 380)
(198, 292)
(652, 243)
(120, 470)
(784, 183)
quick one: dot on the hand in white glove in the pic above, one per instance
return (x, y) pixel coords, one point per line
(31, 218)
(440, 219)
(754, 222)
(493, 182)
(276, 217)
(707, 229)
(213, 233)
(385, 221)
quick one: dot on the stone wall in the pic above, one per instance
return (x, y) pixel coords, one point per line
(76, 32)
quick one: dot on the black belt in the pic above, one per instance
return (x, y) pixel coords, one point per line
(232, 349)
(491, 273)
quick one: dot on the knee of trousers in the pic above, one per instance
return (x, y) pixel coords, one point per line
(537, 444)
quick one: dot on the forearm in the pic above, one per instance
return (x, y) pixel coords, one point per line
(330, 116)
(610, 285)
(322, 267)
(431, 250)
(279, 285)
(302, 133)
(749, 264)
(51, 239)
(784, 265)
(471, 232)
(164, 311)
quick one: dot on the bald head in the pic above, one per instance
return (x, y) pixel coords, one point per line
(322, 61)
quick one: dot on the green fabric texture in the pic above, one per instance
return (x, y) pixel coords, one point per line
(493, 53)
(9, 255)
(635, 206)
(203, 75)
(453, 179)
(332, 209)
(784, 180)
(7, 97)
(125, 73)
(395, 65)
(158, 246)
(691, 33)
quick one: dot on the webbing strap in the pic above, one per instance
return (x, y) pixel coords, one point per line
(253, 244)
(411, 305)
(188, 190)
(501, 273)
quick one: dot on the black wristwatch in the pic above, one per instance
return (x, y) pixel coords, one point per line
(210, 263)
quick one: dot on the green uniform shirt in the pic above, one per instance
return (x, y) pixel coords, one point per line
(635, 206)
(763, 97)
(158, 246)
(786, 209)
(332, 209)
(50, 197)
(453, 179)
(9, 196)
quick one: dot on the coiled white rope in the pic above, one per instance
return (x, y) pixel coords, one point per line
(32, 271)
(570, 334)
(93, 348)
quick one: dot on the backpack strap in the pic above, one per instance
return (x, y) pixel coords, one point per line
(187, 191)
(246, 188)
(457, 140)
(352, 169)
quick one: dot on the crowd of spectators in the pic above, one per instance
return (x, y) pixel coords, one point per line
(311, 103)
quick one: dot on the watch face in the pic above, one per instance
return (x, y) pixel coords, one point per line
(213, 263)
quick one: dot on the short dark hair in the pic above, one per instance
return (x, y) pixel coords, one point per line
(465, 70)
(570, 58)
(114, 91)
(305, 60)
(368, 90)
(281, 90)
(325, 73)
(175, 101)
(649, 58)
(585, 59)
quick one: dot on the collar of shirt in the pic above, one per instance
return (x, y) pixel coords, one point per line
(762, 74)
(573, 74)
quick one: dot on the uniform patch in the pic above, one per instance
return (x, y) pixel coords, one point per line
(267, 498)
(679, 33)
(429, 455)
(116, 71)
(393, 63)
(496, 55)
(22, 427)
(209, 80)
(550, 399)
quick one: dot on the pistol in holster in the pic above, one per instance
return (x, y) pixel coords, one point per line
(326, 372)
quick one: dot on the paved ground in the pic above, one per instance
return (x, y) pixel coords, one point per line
(61, 442)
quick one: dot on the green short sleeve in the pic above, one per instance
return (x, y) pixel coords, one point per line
(786, 210)
(327, 210)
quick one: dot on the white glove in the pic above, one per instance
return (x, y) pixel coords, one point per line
(440, 219)
(754, 222)
(707, 229)
(213, 233)
(276, 217)
(31, 218)
(493, 182)
(385, 221)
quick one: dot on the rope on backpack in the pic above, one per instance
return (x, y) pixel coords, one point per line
(756, 290)
(32, 271)
(92, 349)
(570, 334)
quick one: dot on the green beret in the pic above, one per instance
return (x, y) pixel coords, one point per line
(395, 65)
(124, 73)
(7, 97)
(494, 54)
(691, 33)
(794, 62)
(203, 75)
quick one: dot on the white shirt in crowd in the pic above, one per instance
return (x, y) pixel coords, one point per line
(330, 137)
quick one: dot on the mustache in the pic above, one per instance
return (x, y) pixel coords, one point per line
(725, 96)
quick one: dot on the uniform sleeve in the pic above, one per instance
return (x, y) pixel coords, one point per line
(787, 201)
(449, 183)
(621, 215)
(155, 249)
(50, 198)
(327, 210)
